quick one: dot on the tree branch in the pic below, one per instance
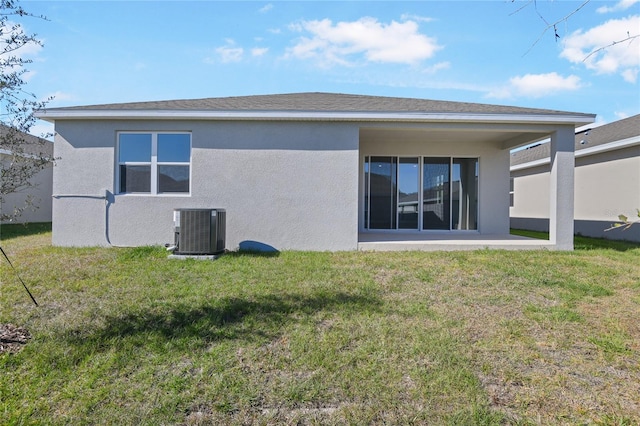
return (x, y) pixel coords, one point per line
(629, 38)
(549, 25)
(625, 223)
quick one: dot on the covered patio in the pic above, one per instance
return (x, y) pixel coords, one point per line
(445, 186)
(447, 241)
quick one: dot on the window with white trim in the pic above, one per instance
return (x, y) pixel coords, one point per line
(154, 162)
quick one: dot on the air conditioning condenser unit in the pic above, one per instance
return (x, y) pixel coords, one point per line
(199, 231)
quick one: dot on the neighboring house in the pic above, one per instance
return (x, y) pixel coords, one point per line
(307, 171)
(607, 181)
(41, 191)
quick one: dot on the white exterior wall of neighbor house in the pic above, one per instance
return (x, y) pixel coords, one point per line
(612, 178)
(531, 193)
(283, 184)
(40, 195)
(606, 184)
(493, 197)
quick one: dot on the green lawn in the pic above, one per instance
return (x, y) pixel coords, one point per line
(127, 336)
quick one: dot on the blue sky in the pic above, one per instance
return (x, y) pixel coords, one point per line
(473, 51)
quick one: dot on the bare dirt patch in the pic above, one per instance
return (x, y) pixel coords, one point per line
(13, 338)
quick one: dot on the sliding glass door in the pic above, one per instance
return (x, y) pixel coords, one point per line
(464, 193)
(408, 193)
(421, 193)
(381, 177)
(435, 189)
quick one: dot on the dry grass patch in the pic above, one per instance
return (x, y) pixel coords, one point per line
(127, 336)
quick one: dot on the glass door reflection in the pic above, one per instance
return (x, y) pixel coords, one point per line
(435, 193)
(382, 192)
(464, 194)
(408, 192)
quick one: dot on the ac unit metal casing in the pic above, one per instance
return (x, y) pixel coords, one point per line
(200, 231)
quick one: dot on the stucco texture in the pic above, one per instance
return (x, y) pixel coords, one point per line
(285, 185)
(606, 185)
(40, 195)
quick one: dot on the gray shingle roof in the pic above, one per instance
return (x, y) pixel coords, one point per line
(317, 102)
(612, 132)
(31, 144)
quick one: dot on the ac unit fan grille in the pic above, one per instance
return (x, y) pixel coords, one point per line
(201, 231)
(195, 231)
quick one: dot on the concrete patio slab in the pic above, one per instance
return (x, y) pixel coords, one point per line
(424, 241)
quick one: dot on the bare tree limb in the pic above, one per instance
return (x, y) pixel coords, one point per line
(629, 38)
(548, 25)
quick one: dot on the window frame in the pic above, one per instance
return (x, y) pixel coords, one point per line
(154, 164)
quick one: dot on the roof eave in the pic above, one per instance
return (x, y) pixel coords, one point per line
(610, 146)
(79, 114)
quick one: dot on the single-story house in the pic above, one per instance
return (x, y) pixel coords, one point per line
(33, 200)
(305, 171)
(607, 181)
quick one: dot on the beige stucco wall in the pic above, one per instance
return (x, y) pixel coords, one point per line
(287, 185)
(606, 184)
(40, 194)
(531, 193)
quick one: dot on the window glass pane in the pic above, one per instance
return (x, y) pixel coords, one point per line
(435, 187)
(464, 193)
(408, 182)
(173, 178)
(383, 192)
(134, 147)
(366, 193)
(174, 147)
(135, 178)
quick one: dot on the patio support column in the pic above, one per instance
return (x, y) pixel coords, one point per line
(562, 188)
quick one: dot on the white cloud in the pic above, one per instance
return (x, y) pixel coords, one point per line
(620, 6)
(408, 17)
(594, 48)
(30, 49)
(229, 52)
(41, 129)
(28, 75)
(537, 85)
(259, 51)
(630, 75)
(59, 96)
(266, 8)
(437, 67)
(621, 115)
(331, 44)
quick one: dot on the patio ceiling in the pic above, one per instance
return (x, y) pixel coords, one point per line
(507, 137)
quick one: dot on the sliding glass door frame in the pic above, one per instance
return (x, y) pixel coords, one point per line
(406, 207)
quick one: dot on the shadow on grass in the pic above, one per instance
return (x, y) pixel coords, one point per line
(586, 243)
(223, 319)
(252, 253)
(9, 231)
